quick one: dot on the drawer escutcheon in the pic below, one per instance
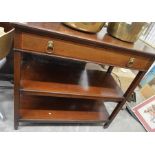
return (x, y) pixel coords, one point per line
(130, 62)
(50, 47)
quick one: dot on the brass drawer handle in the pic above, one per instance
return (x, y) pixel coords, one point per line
(130, 62)
(50, 47)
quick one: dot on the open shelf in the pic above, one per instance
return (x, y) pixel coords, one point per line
(49, 79)
(52, 109)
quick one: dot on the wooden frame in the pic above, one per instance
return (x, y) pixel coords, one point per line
(145, 113)
(62, 33)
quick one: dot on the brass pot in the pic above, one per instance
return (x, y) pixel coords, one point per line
(128, 32)
(91, 27)
(6, 43)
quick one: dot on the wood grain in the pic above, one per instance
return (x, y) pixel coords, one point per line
(67, 49)
(61, 110)
(37, 85)
(55, 80)
(101, 39)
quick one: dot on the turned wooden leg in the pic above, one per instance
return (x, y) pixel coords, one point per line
(127, 94)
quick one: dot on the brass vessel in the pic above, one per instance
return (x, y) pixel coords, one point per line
(6, 43)
(128, 32)
(91, 27)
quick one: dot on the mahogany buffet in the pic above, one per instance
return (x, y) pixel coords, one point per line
(49, 92)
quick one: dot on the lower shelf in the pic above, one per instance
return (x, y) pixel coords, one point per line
(51, 109)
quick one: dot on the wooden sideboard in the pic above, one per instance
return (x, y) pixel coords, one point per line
(47, 92)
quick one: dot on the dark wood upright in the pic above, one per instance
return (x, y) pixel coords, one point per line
(56, 92)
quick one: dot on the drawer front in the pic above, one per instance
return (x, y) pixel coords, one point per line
(64, 48)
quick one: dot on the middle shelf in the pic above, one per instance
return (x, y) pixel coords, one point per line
(49, 79)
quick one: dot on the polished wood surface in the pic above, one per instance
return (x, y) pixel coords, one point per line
(61, 109)
(101, 39)
(56, 80)
(17, 78)
(43, 81)
(37, 43)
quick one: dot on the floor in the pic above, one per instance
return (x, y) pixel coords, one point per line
(124, 122)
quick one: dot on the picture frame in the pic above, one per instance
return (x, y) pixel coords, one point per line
(145, 112)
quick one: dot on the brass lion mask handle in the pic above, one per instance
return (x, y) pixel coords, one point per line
(50, 47)
(130, 62)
